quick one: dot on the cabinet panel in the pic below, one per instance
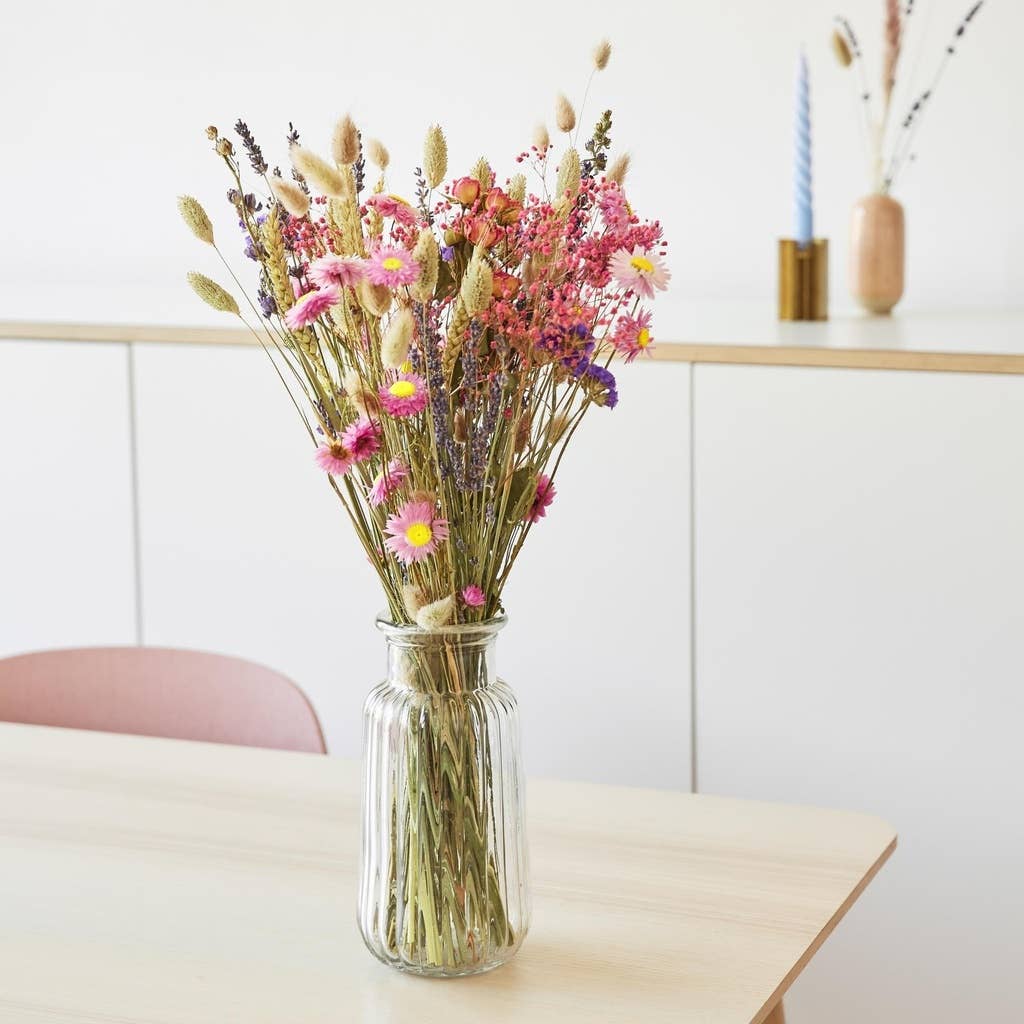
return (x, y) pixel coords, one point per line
(66, 540)
(860, 643)
(245, 550)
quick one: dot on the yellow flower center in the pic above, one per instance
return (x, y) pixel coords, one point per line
(394, 263)
(406, 367)
(643, 339)
(418, 534)
(403, 389)
(641, 263)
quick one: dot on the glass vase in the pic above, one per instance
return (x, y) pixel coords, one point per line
(443, 879)
(877, 253)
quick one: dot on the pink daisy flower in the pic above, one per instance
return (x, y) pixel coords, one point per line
(405, 397)
(392, 265)
(311, 306)
(633, 335)
(334, 458)
(387, 481)
(473, 596)
(394, 207)
(362, 439)
(614, 210)
(641, 271)
(413, 532)
(332, 271)
(545, 495)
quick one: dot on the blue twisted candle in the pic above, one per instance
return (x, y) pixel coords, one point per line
(803, 214)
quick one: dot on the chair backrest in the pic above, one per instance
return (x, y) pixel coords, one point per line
(157, 691)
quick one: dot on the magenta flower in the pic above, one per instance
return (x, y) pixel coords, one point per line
(311, 306)
(394, 207)
(392, 265)
(387, 481)
(641, 271)
(614, 210)
(334, 458)
(414, 533)
(406, 396)
(542, 500)
(633, 335)
(473, 596)
(332, 271)
(362, 439)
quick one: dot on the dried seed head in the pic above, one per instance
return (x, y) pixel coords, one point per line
(424, 497)
(360, 394)
(522, 434)
(529, 273)
(290, 196)
(378, 153)
(224, 147)
(541, 139)
(477, 285)
(619, 169)
(427, 255)
(318, 172)
(602, 52)
(212, 133)
(212, 294)
(482, 172)
(517, 187)
(565, 116)
(557, 427)
(394, 346)
(567, 184)
(413, 598)
(193, 214)
(459, 432)
(437, 614)
(345, 144)
(841, 48)
(435, 156)
(374, 298)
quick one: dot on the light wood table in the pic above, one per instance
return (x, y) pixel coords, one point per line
(158, 882)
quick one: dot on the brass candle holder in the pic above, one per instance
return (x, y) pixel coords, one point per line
(803, 280)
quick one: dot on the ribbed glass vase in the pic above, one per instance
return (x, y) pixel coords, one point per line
(443, 881)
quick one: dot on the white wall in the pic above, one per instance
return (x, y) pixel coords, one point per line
(105, 105)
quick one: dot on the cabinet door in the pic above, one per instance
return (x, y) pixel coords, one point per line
(66, 521)
(245, 550)
(860, 643)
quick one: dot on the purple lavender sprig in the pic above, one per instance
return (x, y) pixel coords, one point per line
(448, 461)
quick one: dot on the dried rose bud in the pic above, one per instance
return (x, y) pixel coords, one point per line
(466, 190)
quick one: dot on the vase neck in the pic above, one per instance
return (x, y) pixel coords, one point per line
(455, 660)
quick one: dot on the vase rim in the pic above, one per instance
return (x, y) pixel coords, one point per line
(459, 630)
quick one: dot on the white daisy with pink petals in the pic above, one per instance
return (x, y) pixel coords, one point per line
(414, 533)
(333, 271)
(641, 271)
(387, 481)
(334, 458)
(310, 307)
(362, 439)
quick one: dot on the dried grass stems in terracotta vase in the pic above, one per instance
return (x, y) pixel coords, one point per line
(877, 243)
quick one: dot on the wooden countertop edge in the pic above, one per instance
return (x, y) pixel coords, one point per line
(797, 969)
(672, 352)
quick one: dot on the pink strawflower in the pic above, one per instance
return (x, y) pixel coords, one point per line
(392, 265)
(387, 481)
(614, 210)
(362, 439)
(332, 271)
(473, 596)
(641, 270)
(394, 207)
(406, 396)
(413, 532)
(311, 306)
(545, 495)
(334, 458)
(633, 335)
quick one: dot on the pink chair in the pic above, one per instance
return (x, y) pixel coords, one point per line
(156, 691)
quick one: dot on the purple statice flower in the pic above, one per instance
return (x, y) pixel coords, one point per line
(447, 252)
(267, 303)
(603, 379)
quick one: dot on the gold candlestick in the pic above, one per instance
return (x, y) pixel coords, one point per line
(803, 280)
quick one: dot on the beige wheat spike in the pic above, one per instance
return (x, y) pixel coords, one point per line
(378, 154)
(567, 184)
(541, 139)
(436, 614)
(413, 598)
(619, 169)
(290, 196)
(427, 255)
(345, 142)
(394, 346)
(602, 53)
(276, 262)
(360, 394)
(482, 172)
(212, 294)
(194, 216)
(841, 48)
(517, 188)
(318, 172)
(477, 285)
(374, 298)
(457, 328)
(565, 116)
(435, 156)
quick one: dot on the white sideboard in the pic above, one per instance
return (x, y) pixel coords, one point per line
(850, 632)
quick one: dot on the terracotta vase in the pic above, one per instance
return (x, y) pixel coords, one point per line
(876, 253)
